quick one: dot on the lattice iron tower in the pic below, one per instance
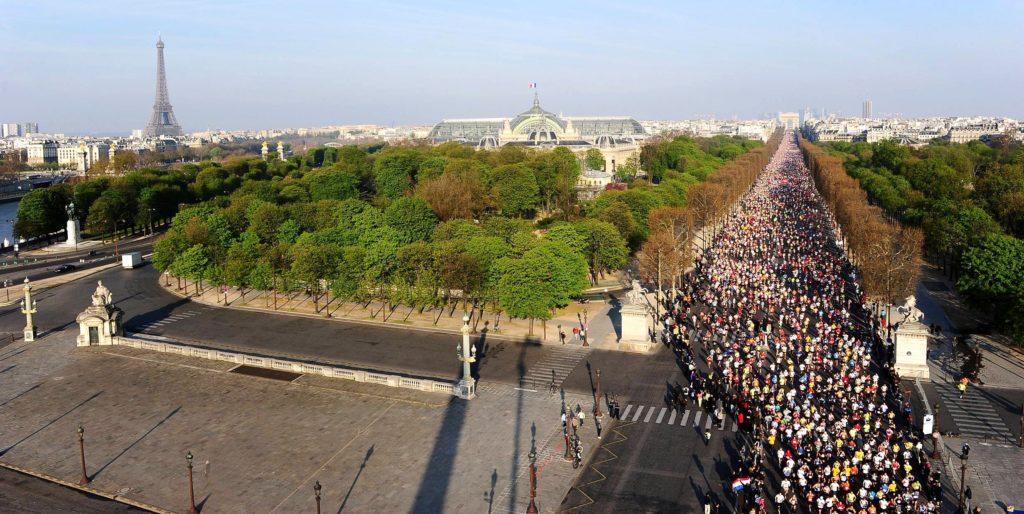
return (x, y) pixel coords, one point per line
(163, 122)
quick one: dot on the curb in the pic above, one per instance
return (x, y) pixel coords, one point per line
(84, 489)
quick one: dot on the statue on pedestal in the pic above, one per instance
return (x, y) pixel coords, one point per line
(73, 233)
(909, 310)
(637, 295)
(100, 322)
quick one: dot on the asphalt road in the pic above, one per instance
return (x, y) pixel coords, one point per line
(29, 495)
(380, 347)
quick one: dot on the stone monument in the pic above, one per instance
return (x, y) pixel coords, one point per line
(636, 328)
(74, 237)
(912, 342)
(100, 322)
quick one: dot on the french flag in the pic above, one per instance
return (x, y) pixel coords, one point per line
(533, 85)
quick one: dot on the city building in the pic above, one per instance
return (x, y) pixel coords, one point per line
(618, 137)
(866, 110)
(41, 152)
(591, 183)
(537, 127)
(18, 129)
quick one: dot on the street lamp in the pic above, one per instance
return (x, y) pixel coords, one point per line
(532, 508)
(191, 491)
(115, 235)
(28, 308)
(81, 450)
(964, 450)
(467, 354)
(316, 493)
(585, 326)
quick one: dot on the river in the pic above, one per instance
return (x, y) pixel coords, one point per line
(7, 212)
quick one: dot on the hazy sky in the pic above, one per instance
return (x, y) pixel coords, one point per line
(80, 66)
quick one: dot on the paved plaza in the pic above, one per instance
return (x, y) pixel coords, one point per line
(260, 444)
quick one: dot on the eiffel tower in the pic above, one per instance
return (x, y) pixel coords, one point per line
(163, 122)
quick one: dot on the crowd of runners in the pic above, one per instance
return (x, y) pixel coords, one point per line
(771, 329)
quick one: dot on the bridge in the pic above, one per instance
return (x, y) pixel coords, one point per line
(15, 190)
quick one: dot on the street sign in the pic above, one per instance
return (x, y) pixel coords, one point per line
(927, 424)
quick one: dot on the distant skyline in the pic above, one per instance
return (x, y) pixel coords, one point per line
(90, 67)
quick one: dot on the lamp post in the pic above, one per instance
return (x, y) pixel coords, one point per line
(599, 401)
(191, 491)
(565, 431)
(532, 508)
(964, 450)
(466, 353)
(316, 493)
(28, 308)
(6, 290)
(586, 336)
(115, 235)
(81, 451)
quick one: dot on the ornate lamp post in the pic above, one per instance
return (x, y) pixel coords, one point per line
(81, 450)
(964, 450)
(28, 308)
(532, 508)
(586, 326)
(466, 353)
(599, 401)
(316, 492)
(191, 491)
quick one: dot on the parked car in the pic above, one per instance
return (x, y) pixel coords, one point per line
(64, 268)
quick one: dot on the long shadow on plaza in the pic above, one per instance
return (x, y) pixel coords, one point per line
(137, 441)
(615, 315)
(155, 314)
(19, 395)
(362, 466)
(51, 422)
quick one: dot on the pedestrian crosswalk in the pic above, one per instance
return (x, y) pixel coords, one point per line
(163, 322)
(554, 367)
(973, 414)
(666, 416)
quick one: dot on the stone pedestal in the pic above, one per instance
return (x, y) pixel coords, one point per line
(636, 325)
(912, 350)
(466, 389)
(100, 322)
(30, 334)
(74, 236)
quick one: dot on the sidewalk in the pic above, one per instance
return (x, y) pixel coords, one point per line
(994, 461)
(594, 314)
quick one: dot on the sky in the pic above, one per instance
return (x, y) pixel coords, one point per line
(89, 67)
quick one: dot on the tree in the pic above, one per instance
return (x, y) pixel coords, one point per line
(124, 161)
(620, 215)
(659, 259)
(167, 249)
(605, 247)
(992, 270)
(524, 289)
(515, 188)
(412, 218)
(332, 185)
(41, 212)
(395, 170)
(455, 194)
(594, 159)
(193, 264)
